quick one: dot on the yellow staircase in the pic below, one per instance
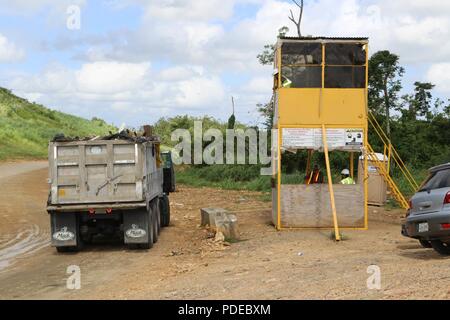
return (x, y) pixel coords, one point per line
(391, 154)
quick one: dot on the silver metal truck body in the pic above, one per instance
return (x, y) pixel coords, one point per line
(100, 184)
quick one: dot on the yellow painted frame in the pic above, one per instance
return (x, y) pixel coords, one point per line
(365, 127)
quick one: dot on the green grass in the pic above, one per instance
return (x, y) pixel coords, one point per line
(26, 128)
(403, 184)
(229, 177)
(405, 187)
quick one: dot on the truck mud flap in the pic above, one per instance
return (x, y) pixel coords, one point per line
(136, 227)
(64, 229)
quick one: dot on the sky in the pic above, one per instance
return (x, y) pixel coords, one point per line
(135, 61)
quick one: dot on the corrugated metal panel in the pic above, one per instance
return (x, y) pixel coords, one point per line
(325, 38)
(103, 171)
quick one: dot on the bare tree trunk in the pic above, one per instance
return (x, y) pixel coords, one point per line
(298, 22)
(388, 113)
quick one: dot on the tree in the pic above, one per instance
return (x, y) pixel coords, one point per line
(420, 104)
(447, 110)
(231, 122)
(267, 58)
(298, 22)
(423, 99)
(266, 110)
(232, 119)
(385, 75)
(268, 55)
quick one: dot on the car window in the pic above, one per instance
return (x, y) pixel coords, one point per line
(437, 180)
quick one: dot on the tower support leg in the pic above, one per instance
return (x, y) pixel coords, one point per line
(330, 184)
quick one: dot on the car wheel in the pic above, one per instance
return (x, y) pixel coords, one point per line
(425, 244)
(441, 247)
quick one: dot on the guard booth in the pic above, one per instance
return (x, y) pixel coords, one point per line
(320, 94)
(377, 186)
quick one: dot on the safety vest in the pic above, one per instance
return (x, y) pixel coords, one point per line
(314, 177)
(348, 180)
(287, 83)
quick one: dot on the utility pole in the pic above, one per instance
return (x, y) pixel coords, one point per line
(232, 102)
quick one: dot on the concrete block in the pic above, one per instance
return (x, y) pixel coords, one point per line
(208, 216)
(228, 226)
(221, 221)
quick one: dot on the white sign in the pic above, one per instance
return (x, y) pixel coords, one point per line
(299, 138)
(311, 138)
(372, 169)
(354, 137)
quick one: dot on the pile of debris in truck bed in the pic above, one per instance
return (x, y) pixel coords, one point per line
(133, 136)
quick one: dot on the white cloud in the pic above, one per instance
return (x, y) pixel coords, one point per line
(197, 92)
(413, 29)
(202, 46)
(26, 7)
(203, 10)
(110, 77)
(114, 90)
(259, 85)
(9, 52)
(439, 74)
(192, 32)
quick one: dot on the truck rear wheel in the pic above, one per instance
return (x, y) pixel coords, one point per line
(155, 219)
(151, 235)
(164, 209)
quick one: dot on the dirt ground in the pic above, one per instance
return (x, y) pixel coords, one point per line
(185, 264)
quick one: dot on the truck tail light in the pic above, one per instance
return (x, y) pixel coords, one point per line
(447, 198)
(109, 211)
(445, 226)
(91, 212)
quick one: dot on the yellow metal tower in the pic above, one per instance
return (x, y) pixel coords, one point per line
(320, 89)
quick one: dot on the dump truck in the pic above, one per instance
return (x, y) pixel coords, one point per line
(108, 186)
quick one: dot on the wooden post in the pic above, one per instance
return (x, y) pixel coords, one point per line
(279, 177)
(308, 163)
(330, 184)
(352, 165)
(389, 159)
(148, 131)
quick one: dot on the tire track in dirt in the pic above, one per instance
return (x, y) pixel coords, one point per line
(24, 229)
(28, 240)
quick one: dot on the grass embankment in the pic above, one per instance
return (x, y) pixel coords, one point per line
(26, 128)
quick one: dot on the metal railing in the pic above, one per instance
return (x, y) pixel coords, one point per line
(382, 169)
(392, 155)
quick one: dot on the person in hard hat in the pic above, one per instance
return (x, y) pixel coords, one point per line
(315, 176)
(346, 179)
